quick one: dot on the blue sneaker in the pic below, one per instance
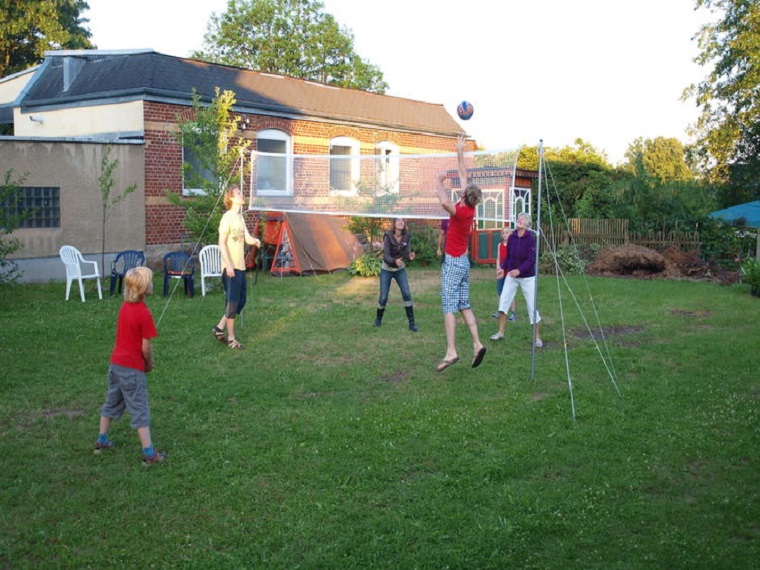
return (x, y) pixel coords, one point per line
(157, 457)
(512, 316)
(102, 446)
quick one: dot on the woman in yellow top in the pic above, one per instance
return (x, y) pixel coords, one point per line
(233, 235)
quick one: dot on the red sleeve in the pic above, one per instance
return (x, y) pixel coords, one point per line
(148, 326)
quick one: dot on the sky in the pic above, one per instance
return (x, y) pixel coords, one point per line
(550, 71)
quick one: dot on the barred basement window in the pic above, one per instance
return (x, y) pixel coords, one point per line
(41, 206)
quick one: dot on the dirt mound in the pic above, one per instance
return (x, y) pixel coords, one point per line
(687, 263)
(631, 260)
(636, 261)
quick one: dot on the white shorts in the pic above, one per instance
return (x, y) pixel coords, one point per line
(528, 286)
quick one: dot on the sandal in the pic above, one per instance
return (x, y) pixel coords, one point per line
(479, 357)
(234, 344)
(219, 334)
(446, 363)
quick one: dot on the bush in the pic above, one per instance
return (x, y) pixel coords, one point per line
(751, 275)
(425, 245)
(368, 265)
(369, 230)
(724, 242)
(572, 259)
(11, 215)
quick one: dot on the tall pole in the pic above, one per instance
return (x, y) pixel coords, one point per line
(538, 248)
(242, 170)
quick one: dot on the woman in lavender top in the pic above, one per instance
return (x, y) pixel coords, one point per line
(519, 270)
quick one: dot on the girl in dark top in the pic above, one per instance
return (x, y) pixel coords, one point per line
(396, 249)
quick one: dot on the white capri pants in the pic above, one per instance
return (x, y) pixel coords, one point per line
(528, 286)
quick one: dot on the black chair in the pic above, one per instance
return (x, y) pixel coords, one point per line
(179, 265)
(125, 260)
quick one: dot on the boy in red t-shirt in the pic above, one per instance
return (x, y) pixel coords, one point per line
(455, 273)
(131, 358)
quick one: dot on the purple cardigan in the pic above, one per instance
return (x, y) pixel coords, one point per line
(521, 254)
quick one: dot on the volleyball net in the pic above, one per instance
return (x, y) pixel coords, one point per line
(383, 184)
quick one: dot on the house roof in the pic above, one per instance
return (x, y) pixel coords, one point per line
(98, 77)
(750, 211)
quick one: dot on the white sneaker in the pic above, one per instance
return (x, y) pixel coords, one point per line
(497, 336)
(539, 343)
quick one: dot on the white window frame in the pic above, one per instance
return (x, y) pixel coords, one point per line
(520, 201)
(388, 165)
(494, 200)
(353, 144)
(276, 135)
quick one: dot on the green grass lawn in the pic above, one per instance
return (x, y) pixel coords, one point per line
(328, 443)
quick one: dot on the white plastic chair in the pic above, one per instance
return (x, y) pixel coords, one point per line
(211, 264)
(74, 263)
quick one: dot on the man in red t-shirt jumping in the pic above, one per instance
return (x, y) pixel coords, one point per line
(455, 273)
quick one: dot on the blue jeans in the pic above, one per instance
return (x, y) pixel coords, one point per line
(385, 286)
(235, 290)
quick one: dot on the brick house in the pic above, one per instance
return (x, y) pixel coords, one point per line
(68, 110)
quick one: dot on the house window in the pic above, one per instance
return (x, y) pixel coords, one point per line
(521, 202)
(387, 167)
(195, 170)
(344, 165)
(490, 211)
(273, 164)
(41, 205)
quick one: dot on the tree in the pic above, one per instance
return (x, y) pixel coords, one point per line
(11, 216)
(658, 161)
(744, 172)
(105, 180)
(210, 134)
(729, 97)
(572, 171)
(29, 28)
(655, 190)
(288, 37)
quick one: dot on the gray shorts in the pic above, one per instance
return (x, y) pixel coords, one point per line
(127, 390)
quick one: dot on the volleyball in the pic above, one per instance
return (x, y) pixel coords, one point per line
(465, 110)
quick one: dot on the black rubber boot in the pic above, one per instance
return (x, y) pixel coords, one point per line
(410, 316)
(378, 318)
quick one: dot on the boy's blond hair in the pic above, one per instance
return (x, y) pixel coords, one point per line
(472, 195)
(138, 282)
